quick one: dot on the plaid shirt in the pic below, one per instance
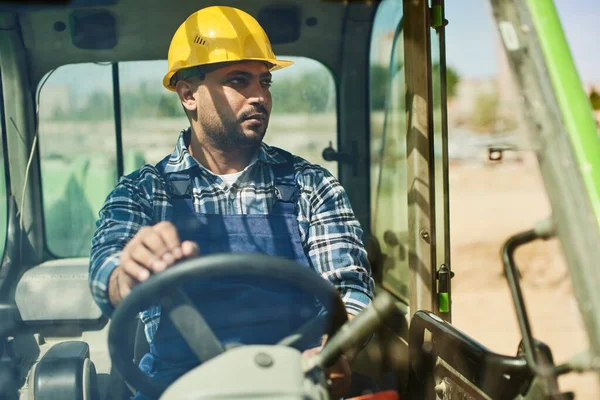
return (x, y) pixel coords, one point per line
(330, 233)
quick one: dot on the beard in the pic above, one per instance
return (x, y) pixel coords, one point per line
(236, 132)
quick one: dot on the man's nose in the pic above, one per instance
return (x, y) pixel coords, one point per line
(257, 93)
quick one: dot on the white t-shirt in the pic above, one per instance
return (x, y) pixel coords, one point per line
(229, 179)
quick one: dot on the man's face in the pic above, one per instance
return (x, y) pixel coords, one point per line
(233, 104)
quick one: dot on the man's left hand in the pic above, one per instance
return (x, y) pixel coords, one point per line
(339, 373)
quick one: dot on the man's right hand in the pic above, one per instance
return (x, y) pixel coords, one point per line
(153, 249)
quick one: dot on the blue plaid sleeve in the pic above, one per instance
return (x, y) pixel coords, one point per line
(126, 209)
(335, 244)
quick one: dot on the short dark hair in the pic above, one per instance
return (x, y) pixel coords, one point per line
(187, 73)
(200, 71)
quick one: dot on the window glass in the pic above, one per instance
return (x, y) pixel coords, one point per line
(77, 152)
(389, 199)
(303, 119)
(151, 116)
(78, 134)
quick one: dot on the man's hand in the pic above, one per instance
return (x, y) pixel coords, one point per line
(153, 249)
(339, 373)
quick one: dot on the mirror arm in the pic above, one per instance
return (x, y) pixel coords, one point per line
(538, 365)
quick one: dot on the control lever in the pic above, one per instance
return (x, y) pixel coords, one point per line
(354, 332)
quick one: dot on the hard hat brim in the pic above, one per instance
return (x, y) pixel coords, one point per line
(275, 65)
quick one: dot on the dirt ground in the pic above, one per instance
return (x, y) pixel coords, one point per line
(489, 203)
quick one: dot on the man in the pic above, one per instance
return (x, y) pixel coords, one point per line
(238, 194)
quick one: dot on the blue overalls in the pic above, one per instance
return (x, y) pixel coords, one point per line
(244, 311)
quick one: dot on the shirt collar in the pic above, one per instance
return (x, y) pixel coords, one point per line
(181, 160)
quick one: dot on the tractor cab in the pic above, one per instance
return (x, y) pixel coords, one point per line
(82, 105)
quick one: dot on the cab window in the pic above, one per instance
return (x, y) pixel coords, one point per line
(101, 121)
(389, 201)
(78, 153)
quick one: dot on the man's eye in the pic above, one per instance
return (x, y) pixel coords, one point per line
(238, 81)
(267, 82)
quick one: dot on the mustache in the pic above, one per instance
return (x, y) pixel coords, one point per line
(259, 109)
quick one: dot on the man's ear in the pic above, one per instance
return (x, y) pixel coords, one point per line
(185, 91)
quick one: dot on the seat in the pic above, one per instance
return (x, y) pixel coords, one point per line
(66, 372)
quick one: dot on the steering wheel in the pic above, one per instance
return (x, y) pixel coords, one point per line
(166, 288)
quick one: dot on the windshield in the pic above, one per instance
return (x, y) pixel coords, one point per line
(99, 121)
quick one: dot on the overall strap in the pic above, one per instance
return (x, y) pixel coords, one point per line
(179, 189)
(286, 187)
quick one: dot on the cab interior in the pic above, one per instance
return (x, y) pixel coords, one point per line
(70, 129)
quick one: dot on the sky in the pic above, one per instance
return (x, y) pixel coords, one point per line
(474, 56)
(471, 45)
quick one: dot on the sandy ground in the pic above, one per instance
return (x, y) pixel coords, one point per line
(489, 203)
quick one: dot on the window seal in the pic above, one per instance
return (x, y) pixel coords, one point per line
(118, 121)
(4, 141)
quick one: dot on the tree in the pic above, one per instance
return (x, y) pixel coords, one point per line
(452, 80)
(308, 93)
(380, 80)
(99, 106)
(169, 106)
(595, 99)
(485, 115)
(378, 86)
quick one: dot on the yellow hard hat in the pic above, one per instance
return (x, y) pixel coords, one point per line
(219, 34)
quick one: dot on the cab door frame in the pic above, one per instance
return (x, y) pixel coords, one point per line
(424, 262)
